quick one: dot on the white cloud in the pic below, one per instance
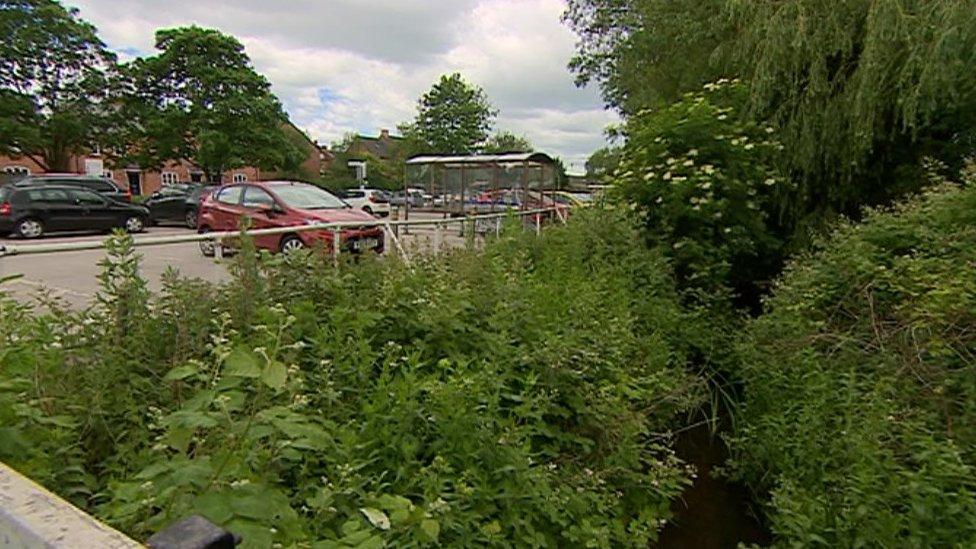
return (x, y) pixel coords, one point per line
(348, 65)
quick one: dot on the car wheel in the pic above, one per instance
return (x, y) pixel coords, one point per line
(291, 243)
(135, 224)
(207, 247)
(191, 219)
(29, 228)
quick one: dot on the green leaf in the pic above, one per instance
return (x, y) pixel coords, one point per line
(376, 517)
(392, 503)
(275, 375)
(242, 363)
(180, 372)
(431, 529)
(214, 506)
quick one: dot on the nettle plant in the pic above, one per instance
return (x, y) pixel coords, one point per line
(703, 179)
(522, 395)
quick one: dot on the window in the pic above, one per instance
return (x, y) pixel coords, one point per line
(256, 197)
(107, 174)
(240, 177)
(87, 198)
(170, 178)
(230, 195)
(51, 196)
(354, 194)
(16, 169)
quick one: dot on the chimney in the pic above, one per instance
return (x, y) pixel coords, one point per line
(384, 134)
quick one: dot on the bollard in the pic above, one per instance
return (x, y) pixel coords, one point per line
(218, 250)
(538, 224)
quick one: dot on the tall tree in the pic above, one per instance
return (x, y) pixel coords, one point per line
(858, 90)
(603, 162)
(201, 100)
(505, 141)
(454, 117)
(55, 75)
(644, 52)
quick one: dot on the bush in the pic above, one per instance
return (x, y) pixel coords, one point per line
(702, 178)
(860, 409)
(521, 395)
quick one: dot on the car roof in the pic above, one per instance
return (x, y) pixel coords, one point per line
(18, 188)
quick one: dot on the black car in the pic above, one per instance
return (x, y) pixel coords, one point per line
(99, 185)
(177, 203)
(29, 211)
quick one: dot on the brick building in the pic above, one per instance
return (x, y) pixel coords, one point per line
(144, 182)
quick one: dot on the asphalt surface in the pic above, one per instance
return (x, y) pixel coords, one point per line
(72, 276)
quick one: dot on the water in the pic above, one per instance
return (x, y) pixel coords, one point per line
(714, 513)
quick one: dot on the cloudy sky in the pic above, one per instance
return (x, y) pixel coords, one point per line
(358, 65)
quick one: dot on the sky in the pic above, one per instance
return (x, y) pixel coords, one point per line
(360, 65)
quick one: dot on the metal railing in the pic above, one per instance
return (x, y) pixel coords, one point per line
(218, 238)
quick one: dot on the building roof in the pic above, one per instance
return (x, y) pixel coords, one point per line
(505, 158)
(382, 146)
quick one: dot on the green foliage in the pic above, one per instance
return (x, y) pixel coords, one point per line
(453, 117)
(643, 53)
(701, 178)
(200, 99)
(603, 162)
(504, 141)
(861, 89)
(860, 384)
(55, 76)
(859, 92)
(518, 395)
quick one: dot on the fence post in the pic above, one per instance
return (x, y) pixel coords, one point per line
(438, 237)
(218, 250)
(538, 224)
(336, 246)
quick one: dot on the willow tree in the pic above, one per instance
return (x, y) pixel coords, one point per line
(860, 90)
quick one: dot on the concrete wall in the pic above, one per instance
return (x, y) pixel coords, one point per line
(30, 517)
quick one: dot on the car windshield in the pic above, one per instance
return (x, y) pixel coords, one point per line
(308, 197)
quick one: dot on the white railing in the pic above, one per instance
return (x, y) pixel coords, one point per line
(336, 229)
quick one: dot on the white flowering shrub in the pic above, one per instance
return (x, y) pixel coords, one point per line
(703, 179)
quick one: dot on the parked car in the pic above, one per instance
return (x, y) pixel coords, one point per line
(179, 203)
(274, 204)
(371, 201)
(30, 211)
(413, 197)
(97, 184)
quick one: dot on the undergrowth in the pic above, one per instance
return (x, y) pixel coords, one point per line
(859, 422)
(521, 395)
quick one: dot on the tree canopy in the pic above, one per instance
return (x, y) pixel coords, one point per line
(505, 141)
(55, 75)
(454, 117)
(200, 99)
(859, 91)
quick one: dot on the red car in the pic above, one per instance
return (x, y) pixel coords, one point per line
(274, 204)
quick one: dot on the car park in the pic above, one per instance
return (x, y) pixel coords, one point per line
(412, 197)
(372, 201)
(31, 211)
(99, 185)
(280, 204)
(178, 203)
